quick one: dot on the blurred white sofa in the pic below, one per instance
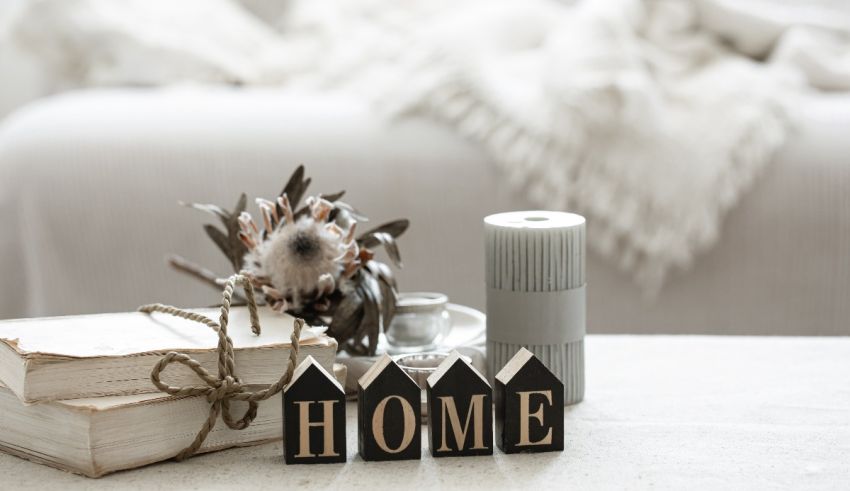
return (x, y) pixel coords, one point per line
(89, 184)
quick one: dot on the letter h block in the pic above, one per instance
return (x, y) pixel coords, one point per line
(460, 410)
(529, 406)
(313, 416)
(389, 408)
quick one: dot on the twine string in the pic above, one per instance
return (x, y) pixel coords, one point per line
(226, 386)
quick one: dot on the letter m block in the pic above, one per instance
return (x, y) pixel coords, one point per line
(460, 410)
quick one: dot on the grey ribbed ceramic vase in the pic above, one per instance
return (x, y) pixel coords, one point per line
(536, 292)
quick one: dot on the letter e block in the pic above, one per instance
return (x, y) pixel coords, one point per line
(529, 406)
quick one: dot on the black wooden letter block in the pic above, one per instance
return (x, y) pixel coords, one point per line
(529, 406)
(388, 413)
(313, 416)
(460, 410)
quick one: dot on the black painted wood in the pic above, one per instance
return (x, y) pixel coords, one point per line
(315, 390)
(532, 394)
(449, 401)
(389, 411)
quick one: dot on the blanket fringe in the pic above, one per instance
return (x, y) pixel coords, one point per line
(559, 172)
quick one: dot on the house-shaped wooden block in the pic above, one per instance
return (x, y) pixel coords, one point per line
(313, 416)
(389, 409)
(460, 410)
(529, 406)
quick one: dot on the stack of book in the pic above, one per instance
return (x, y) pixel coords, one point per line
(75, 392)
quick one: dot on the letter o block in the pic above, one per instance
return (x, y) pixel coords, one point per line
(388, 413)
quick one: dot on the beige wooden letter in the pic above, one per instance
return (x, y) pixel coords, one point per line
(525, 417)
(378, 424)
(449, 411)
(305, 424)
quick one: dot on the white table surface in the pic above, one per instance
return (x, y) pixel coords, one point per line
(660, 412)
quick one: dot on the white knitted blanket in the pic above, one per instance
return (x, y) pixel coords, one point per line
(634, 113)
(649, 117)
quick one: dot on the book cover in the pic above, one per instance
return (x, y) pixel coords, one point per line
(97, 436)
(72, 357)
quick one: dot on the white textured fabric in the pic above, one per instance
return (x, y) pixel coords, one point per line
(696, 413)
(89, 185)
(611, 109)
(145, 42)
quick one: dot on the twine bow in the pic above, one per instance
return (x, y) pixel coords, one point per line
(226, 387)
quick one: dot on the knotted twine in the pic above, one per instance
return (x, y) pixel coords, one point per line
(226, 387)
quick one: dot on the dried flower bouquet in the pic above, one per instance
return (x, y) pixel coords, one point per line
(309, 262)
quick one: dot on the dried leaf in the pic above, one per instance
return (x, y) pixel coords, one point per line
(394, 229)
(381, 271)
(296, 187)
(371, 288)
(208, 208)
(303, 211)
(346, 317)
(390, 246)
(295, 181)
(351, 211)
(220, 239)
(241, 205)
(370, 324)
(386, 274)
(228, 240)
(200, 273)
(389, 298)
(388, 294)
(237, 248)
(333, 196)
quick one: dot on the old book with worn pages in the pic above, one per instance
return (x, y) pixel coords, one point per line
(100, 435)
(59, 358)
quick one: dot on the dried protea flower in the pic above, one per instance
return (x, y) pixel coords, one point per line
(296, 262)
(306, 261)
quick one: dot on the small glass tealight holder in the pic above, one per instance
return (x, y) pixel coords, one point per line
(420, 322)
(420, 366)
